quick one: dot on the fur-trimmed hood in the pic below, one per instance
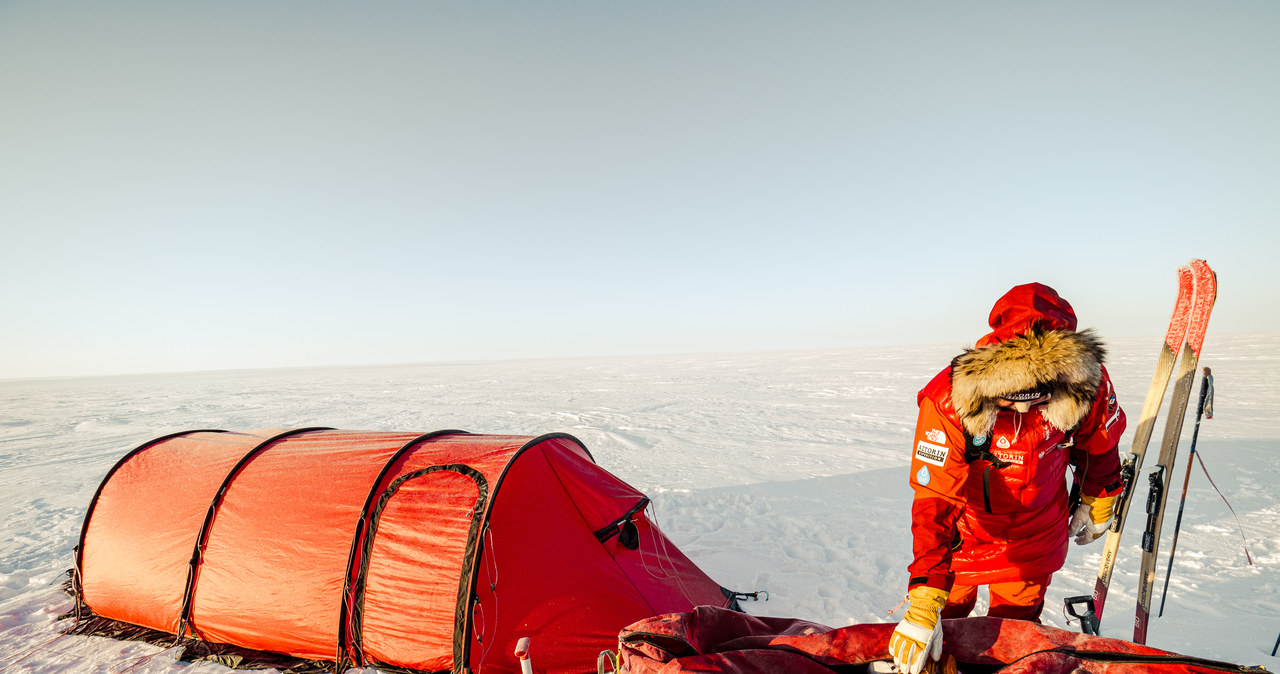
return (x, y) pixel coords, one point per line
(1068, 364)
(1033, 344)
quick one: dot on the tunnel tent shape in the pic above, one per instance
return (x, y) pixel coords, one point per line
(417, 552)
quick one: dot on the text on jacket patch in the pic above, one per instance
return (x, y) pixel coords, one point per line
(930, 453)
(1015, 458)
(936, 435)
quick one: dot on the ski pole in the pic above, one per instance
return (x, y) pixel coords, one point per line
(1205, 402)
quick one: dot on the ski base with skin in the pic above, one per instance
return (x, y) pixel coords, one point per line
(1091, 617)
(1206, 292)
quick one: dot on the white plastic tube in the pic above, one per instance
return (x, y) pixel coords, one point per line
(522, 654)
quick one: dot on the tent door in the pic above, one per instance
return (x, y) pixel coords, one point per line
(415, 585)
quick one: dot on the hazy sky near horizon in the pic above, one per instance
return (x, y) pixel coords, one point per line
(219, 185)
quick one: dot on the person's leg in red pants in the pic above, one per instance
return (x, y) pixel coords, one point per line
(1018, 600)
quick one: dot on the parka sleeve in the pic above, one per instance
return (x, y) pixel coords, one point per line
(1097, 439)
(938, 474)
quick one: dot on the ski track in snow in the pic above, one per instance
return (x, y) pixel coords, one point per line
(783, 472)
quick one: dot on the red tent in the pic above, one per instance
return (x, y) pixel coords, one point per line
(428, 552)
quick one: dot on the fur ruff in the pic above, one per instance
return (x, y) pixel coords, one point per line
(1069, 364)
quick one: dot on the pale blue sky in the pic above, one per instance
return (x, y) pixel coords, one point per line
(211, 185)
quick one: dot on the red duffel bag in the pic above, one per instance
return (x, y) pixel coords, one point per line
(710, 639)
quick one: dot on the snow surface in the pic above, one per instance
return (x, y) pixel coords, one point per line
(784, 472)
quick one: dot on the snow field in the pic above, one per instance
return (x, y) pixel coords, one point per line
(782, 471)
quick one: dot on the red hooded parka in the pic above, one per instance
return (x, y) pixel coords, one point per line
(991, 502)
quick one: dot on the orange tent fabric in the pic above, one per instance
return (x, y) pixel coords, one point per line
(433, 552)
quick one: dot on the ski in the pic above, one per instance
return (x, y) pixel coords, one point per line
(1091, 618)
(1206, 292)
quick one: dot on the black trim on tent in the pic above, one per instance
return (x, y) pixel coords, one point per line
(93, 503)
(195, 650)
(479, 550)
(461, 639)
(552, 436)
(202, 539)
(344, 656)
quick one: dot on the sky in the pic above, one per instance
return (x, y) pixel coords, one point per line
(226, 185)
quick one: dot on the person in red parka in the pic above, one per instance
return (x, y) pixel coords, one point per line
(996, 432)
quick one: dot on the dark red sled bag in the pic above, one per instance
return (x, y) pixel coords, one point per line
(710, 639)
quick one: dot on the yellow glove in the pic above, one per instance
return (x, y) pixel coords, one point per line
(1091, 519)
(918, 637)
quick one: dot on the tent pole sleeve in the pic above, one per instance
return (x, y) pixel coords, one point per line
(466, 578)
(464, 621)
(347, 654)
(554, 436)
(84, 528)
(202, 539)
